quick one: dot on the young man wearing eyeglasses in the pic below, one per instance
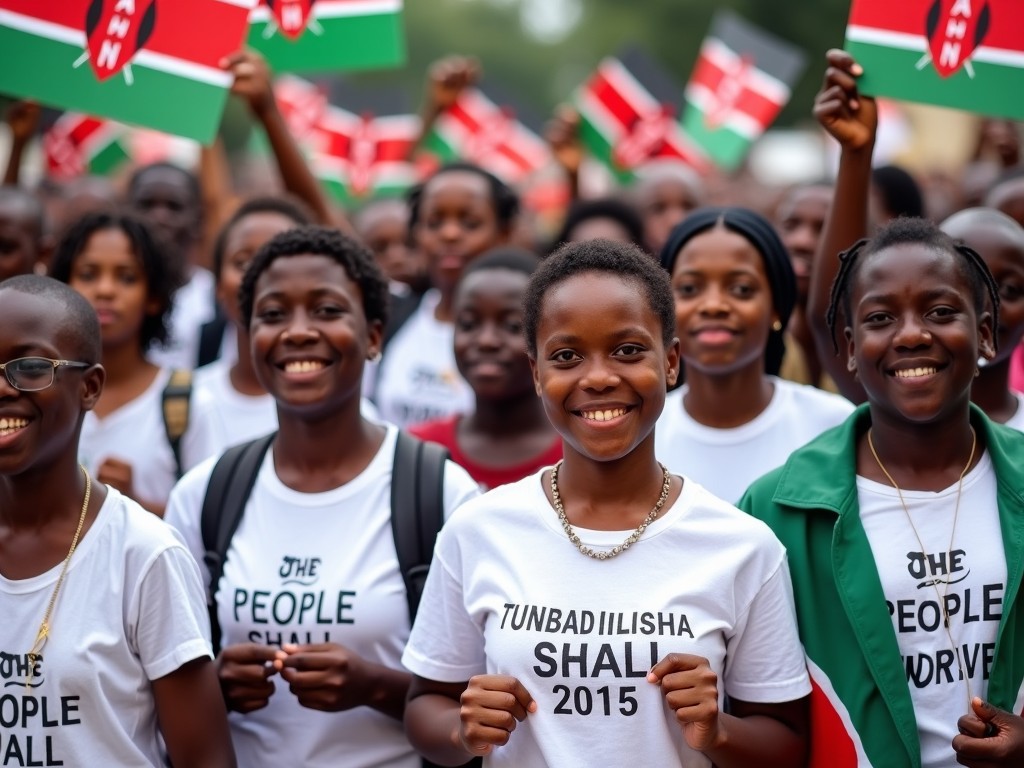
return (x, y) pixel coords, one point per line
(104, 626)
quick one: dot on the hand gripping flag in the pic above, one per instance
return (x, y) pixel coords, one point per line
(328, 35)
(138, 61)
(628, 117)
(742, 79)
(478, 130)
(81, 144)
(967, 54)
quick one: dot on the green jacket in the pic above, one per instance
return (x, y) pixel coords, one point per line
(861, 710)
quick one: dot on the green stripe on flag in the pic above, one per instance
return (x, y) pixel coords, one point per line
(994, 90)
(601, 148)
(108, 158)
(723, 145)
(373, 41)
(435, 144)
(40, 68)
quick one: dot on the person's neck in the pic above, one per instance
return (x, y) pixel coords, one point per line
(605, 488)
(39, 497)
(506, 418)
(123, 363)
(729, 400)
(991, 392)
(800, 330)
(444, 312)
(242, 374)
(323, 451)
(922, 456)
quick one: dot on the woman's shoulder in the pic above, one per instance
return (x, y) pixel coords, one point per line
(706, 508)
(809, 396)
(142, 534)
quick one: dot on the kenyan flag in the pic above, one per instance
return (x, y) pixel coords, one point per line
(328, 35)
(359, 157)
(479, 131)
(741, 80)
(139, 61)
(81, 144)
(967, 54)
(624, 125)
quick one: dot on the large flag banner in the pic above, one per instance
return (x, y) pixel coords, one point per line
(628, 117)
(81, 144)
(355, 157)
(967, 54)
(328, 35)
(150, 62)
(479, 131)
(742, 79)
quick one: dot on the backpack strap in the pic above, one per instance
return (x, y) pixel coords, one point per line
(230, 484)
(176, 399)
(417, 510)
(211, 336)
(400, 310)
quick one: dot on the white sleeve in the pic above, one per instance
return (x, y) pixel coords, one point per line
(184, 509)
(459, 487)
(764, 658)
(168, 620)
(445, 644)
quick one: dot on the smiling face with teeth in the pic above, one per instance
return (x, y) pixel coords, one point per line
(39, 429)
(602, 367)
(915, 334)
(309, 335)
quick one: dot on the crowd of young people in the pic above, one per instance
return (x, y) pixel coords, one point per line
(720, 486)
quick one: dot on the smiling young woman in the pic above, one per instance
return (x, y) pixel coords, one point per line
(556, 625)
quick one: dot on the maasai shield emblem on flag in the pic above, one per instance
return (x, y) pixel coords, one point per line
(478, 130)
(80, 144)
(328, 35)
(359, 157)
(137, 61)
(742, 79)
(625, 125)
(967, 54)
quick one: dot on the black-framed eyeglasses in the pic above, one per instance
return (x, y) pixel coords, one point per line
(32, 374)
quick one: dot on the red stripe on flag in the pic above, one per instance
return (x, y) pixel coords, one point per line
(198, 31)
(748, 100)
(470, 118)
(831, 745)
(624, 111)
(1006, 19)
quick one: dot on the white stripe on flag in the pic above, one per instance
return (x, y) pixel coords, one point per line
(726, 59)
(738, 122)
(325, 9)
(630, 88)
(158, 61)
(594, 111)
(250, 4)
(919, 44)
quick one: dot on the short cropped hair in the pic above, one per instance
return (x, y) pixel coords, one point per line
(604, 256)
(79, 319)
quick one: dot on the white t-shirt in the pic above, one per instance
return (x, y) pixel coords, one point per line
(192, 306)
(135, 433)
(726, 461)
(509, 594)
(131, 610)
(418, 380)
(968, 574)
(230, 417)
(314, 568)
(1017, 420)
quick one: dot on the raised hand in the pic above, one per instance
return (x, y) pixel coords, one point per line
(447, 78)
(252, 79)
(989, 737)
(852, 119)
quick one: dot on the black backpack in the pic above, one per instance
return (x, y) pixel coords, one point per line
(417, 511)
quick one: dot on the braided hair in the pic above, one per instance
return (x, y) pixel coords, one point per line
(910, 231)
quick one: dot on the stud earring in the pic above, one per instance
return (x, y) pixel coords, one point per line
(777, 326)
(851, 365)
(375, 357)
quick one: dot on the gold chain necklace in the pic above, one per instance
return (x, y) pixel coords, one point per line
(44, 628)
(633, 538)
(949, 550)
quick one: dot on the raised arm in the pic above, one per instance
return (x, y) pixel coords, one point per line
(851, 119)
(447, 78)
(562, 134)
(23, 118)
(252, 83)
